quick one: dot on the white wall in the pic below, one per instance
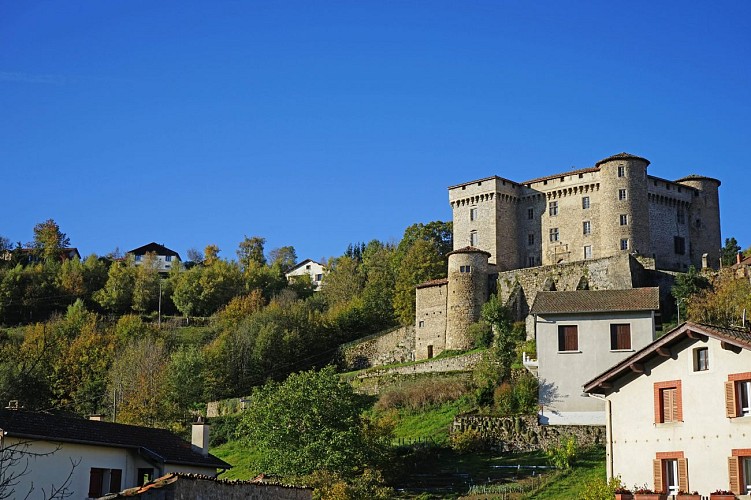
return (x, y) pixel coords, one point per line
(706, 435)
(562, 374)
(312, 269)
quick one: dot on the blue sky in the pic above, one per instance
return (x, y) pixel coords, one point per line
(316, 124)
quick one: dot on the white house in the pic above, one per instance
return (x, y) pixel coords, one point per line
(165, 257)
(578, 335)
(679, 412)
(308, 267)
(90, 458)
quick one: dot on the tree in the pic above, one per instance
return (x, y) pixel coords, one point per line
(729, 252)
(117, 294)
(421, 263)
(686, 286)
(722, 304)
(441, 234)
(146, 284)
(195, 255)
(284, 258)
(251, 250)
(344, 281)
(309, 422)
(49, 240)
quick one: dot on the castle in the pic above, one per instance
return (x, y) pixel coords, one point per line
(603, 227)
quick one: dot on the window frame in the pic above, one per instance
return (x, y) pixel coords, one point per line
(553, 208)
(530, 214)
(701, 363)
(679, 245)
(530, 239)
(738, 389)
(585, 202)
(474, 240)
(624, 243)
(554, 235)
(472, 214)
(622, 194)
(624, 219)
(667, 464)
(668, 391)
(587, 252)
(568, 338)
(619, 332)
(586, 227)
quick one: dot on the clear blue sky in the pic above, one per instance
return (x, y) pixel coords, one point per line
(316, 124)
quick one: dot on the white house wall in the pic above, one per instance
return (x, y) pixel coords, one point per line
(562, 374)
(706, 436)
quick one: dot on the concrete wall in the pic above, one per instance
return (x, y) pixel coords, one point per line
(705, 436)
(562, 374)
(430, 320)
(394, 346)
(522, 433)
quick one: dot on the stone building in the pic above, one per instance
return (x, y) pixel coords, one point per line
(608, 227)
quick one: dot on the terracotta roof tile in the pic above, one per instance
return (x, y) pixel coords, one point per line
(439, 281)
(589, 301)
(621, 156)
(469, 250)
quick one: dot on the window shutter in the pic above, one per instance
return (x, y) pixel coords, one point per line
(669, 405)
(657, 472)
(95, 483)
(683, 474)
(734, 473)
(116, 476)
(731, 408)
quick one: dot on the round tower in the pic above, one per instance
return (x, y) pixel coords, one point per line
(624, 212)
(704, 219)
(467, 292)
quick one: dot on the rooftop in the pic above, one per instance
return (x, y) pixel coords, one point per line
(592, 301)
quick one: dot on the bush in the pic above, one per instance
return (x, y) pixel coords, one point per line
(481, 334)
(467, 441)
(224, 429)
(521, 397)
(564, 454)
(599, 489)
(422, 393)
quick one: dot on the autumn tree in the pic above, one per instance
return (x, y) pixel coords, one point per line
(722, 304)
(49, 240)
(729, 252)
(344, 281)
(117, 294)
(283, 258)
(250, 251)
(422, 262)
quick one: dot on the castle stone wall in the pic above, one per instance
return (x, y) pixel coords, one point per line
(460, 363)
(430, 320)
(394, 346)
(467, 292)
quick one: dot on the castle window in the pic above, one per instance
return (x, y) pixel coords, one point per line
(568, 338)
(554, 234)
(531, 239)
(465, 269)
(624, 244)
(531, 261)
(624, 220)
(473, 240)
(681, 216)
(421, 324)
(587, 227)
(553, 208)
(530, 213)
(680, 245)
(588, 252)
(585, 202)
(621, 171)
(622, 195)
(473, 214)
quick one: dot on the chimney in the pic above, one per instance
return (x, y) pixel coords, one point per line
(97, 417)
(739, 257)
(704, 263)
(200, 438)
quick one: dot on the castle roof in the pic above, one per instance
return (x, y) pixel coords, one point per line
(438, 282)
(469, 250)
(555, 176)
(621, 156)
(593, 301)
(695, 177)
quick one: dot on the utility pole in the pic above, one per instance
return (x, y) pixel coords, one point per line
(159, 321)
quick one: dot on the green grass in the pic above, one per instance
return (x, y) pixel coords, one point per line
(432, 424)
(570, 484)
(241, 457)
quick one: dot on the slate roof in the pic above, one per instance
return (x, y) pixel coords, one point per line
(469, 250)
(156, 248)
(439, 281)
(592, 301)
(736, 337)
(160, 444)
(621, 156)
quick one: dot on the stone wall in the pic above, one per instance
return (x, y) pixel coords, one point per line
(463, 362)
(393, 346)
(189, 487)
(522, 433)
(430, 319)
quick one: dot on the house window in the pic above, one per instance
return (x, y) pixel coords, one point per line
(473, 214)
(670, 472)
(307, 267)
(681, 216)
(624, 244)
(585, 202)
(621, 171)
(624, 220)
(738, 395)
(620, 337)
(465, 269)
(319, 277)
(553, 208)
(701, 359)
(568, 338)
(138, 258)
(473, 241)
(668, 401)
(530, 239)
(530, 213)
(531, 261)
(587, 227)
(145, 475)
(554, 234)
(104, 481)
(739, 469)
(588, 252)
(168, 258)
(679, 245)
(622, 195)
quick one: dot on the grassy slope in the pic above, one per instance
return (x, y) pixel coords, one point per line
(241, 457)
(571, 483)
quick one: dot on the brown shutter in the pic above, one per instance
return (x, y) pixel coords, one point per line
(674, 408)
(669, 405)
(116, 476)
(731, 407)
(572, 338)
(683, 474)
(657, 472)
(95, 483)
(734, 473)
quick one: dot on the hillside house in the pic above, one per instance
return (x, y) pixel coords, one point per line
(308, 267)
(166, 258)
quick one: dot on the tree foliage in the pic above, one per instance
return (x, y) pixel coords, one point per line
(724, 303)
(422, 262)
(729, 252)
(49, 240)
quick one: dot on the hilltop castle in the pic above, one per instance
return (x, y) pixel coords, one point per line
(599, 228)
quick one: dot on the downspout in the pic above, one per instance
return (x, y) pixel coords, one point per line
(608, 433)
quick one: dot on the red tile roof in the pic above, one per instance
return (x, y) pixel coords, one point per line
(592, 301)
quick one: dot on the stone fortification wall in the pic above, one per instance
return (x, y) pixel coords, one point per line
(463, 362)
(467, 292)
(189, 487)
(430, 319)
(394, 346)
(522, 433)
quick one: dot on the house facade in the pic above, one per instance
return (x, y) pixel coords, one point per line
(315, 270)
(92, 458)
(611, 208)
(679, 416)
(578, 335)
(165, 257)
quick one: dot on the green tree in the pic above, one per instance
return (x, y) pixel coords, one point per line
(49, 240)
(441, 234)
(251, 250)
(686, 286)
(380, 280)
(284, 258)
(344, 281)
(117, 294)
(729, 252)
(185, 380)
(309, 422)
(422, 262)
(146, 284)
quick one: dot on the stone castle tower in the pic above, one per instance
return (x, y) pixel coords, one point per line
(614, 209)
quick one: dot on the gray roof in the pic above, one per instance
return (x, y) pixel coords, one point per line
(591, 301)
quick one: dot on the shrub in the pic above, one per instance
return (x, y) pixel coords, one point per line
(563, 455)
(503, 397)
(599, 489)
(421, 393)
(467, 441)
(481, 334)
